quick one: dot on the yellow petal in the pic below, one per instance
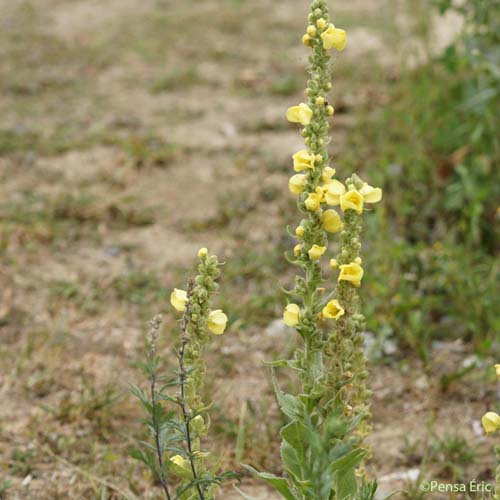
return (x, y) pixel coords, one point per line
(299, 114)
(216, 322)
(333, 310)
(291, 314)
(313, 202)
(352, 200)
(351, 272)
(371, 194)
(491, 422)
(316, 252)
(297, 183)
(335, 190)
(302, 160)
(178, 298)
(328, 173)
(334, 38)
(332, 221)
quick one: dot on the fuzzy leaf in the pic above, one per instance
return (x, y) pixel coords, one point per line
(295, 435)
(346, 485)
(291, 406)
(291, 461)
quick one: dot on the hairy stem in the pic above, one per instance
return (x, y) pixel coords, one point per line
(182, 376)
(155, 324)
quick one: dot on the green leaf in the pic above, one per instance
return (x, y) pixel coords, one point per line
(291, 461)
(291, 406)
(295, 435)
(346, 485)
(280, 484)
(349, 461)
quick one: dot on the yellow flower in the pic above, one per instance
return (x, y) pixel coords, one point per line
(351, 272)
(302, 160)
(313, 202)
(335, 189)
(291, 314)
(202, 253)
(311, 30)
(352, 200)
(299, 114)
(370, 194)
(332, 221)
(334, 38)
(297, 249)
(320, 23)
(497, 369)
(316, 252)
(180, 461)
(306, 39)
(181, 466)
(491, 422)
(297, 183)
(334, 264)
(333, 310)
(327, 174)
(178, 298)
(299, 231)
(216, 322)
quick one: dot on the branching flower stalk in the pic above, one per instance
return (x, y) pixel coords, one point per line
(177, 435)
(155, 324)
(183, 376)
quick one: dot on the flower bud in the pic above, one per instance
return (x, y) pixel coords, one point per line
(320, 23)
(202, 253)
(330, 110)
(291, 315)
(299, 231)
(311, 30)
(491, 422)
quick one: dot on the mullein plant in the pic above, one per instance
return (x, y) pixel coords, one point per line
(491, 425)
(177, 417)
(322, 447)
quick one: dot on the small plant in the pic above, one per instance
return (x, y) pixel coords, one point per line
(322, 444)
(175, 455)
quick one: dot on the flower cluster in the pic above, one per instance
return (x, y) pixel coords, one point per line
(328, 206)
(198, 318)
(327, 415)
